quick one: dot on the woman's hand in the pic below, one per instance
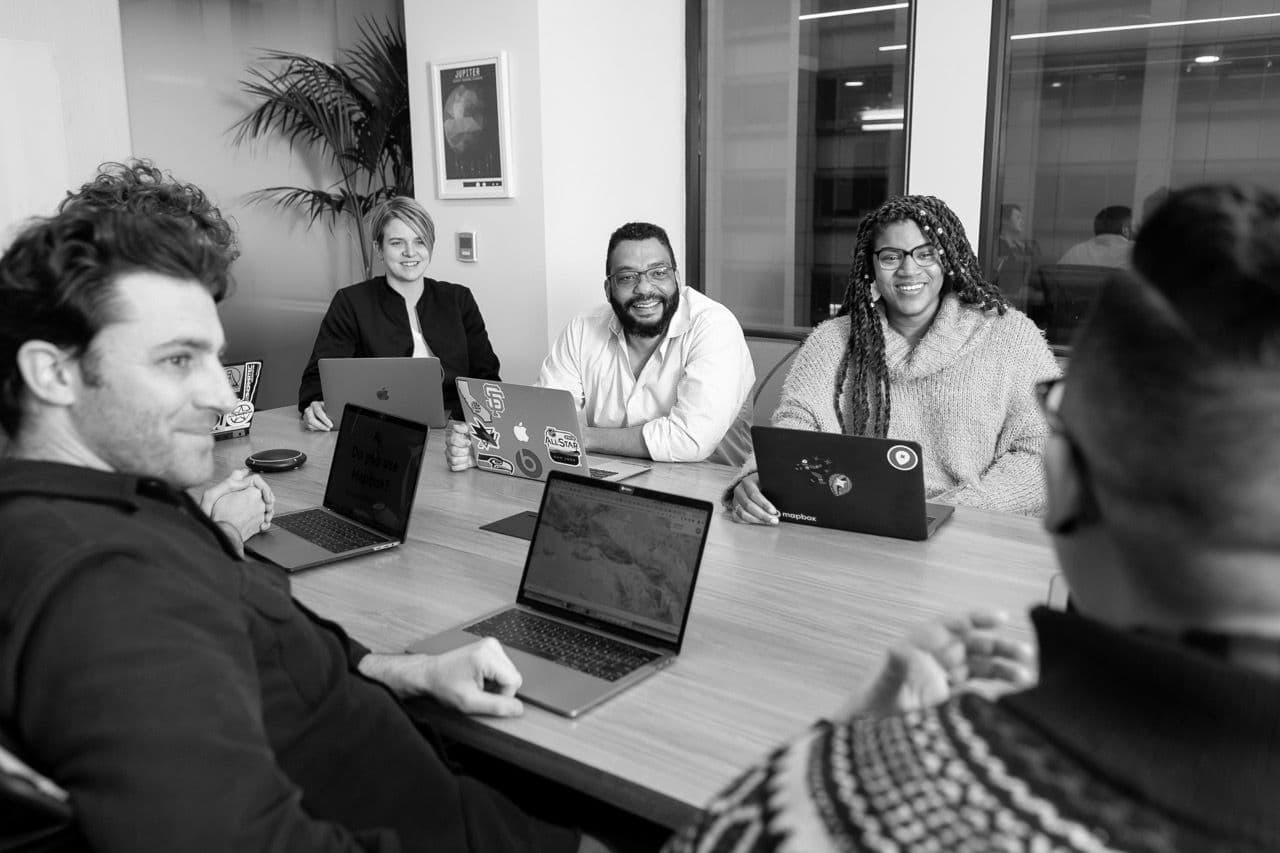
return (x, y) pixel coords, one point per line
(457, 447)
(750, 506)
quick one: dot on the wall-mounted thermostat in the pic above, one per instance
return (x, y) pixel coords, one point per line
(466, 241)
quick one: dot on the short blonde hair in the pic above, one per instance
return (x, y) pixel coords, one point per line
(408, 211)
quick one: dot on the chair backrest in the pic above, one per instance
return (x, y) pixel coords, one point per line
(1069, 293)
(772, 359)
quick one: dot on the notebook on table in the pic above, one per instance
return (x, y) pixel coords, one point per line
(868, 485)
(368, 499)
(529, 432)
(604, 599)
(407, 387)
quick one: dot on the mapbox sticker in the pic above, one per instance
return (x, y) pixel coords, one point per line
(903, 458)
(496, 399)
(840, 485)
(485, 435)
(562, 446)
(494, 463)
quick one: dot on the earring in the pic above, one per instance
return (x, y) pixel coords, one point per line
(875, 293)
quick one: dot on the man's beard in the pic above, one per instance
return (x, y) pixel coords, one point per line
(646, 329)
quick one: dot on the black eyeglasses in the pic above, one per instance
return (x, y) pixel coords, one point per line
(891, 257)
(1049, 395)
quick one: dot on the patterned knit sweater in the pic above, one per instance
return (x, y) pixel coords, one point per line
(965, 392)
(1127, 744)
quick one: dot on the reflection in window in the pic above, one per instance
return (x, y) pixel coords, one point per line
(1109, 104)
(805, 134)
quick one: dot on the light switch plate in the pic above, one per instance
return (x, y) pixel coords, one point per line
(465, 241)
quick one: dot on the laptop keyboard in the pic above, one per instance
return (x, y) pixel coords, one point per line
(584, 651)
(327, 530)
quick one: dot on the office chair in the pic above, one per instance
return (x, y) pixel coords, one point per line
(1069, 291)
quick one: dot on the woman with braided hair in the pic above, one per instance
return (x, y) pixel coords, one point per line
(925, 349)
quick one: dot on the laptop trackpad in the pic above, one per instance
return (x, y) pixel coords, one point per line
(519, 525)
(285, 549)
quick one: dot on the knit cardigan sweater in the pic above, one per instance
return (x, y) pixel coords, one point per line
(1128, 743)
(965, 392)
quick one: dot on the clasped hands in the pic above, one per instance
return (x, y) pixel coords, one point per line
(243, 501)
(942, 658)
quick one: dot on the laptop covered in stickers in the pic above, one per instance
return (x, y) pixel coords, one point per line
(848, 482)
(524, 431)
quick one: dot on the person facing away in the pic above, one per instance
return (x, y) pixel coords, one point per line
(660, 372)
(1111, 244)
(1153, 724)
(400, 313)
(926, 349)
(172, 687)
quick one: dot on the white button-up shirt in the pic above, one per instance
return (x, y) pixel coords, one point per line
(692, 395)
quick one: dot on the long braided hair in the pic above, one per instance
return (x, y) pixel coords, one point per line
(864, 352)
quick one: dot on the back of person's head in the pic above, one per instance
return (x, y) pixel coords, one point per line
(1116, 219)
(408, 211)
(57, 280)
(140, 187)
(637, 231)
(1173, 392)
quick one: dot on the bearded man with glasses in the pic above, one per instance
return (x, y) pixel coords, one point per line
(660, 372)
(1153, 725)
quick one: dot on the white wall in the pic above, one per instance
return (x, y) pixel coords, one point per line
(584, 161)
(63, 98)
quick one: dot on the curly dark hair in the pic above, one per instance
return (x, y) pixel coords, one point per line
(139, 186)
(638, 231)
(58, 277)
(864, 353)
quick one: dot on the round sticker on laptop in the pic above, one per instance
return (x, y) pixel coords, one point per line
(903, 458)
(529, 464)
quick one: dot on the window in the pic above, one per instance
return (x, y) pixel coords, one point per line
(1104, 106)
(804, 133)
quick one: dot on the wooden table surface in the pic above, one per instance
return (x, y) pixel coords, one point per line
(785, 621)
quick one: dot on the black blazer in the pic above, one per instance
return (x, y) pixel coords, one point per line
(368, 320)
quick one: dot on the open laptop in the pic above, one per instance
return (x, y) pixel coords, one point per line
(529, 432)
(373, 479)
(604, 600)
(869, 485)
(407, 387)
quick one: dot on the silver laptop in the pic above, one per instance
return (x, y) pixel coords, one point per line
(604, 600)
(529, 432)
(373, 479)
(408, 387)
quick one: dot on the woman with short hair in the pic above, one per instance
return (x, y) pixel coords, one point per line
(401, 313)
(924, 349)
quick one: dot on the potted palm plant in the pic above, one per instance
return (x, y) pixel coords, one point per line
(354, 112)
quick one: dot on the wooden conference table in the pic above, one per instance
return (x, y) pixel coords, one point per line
(786, 621)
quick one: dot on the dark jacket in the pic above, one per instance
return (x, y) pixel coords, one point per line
(368, 320)
(185, 700)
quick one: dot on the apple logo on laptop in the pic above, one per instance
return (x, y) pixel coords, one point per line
(383, 393)
(521, 434)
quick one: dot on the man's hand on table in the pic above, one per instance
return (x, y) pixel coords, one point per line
(244, 502)
(314, 417)
(475, 679)
(457, 447)
(939, 659)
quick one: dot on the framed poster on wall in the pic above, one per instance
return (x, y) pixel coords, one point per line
(472, 128)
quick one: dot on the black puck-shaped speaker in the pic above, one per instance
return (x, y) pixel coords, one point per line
(278, 459)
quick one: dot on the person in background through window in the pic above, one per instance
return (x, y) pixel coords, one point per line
(1111, 243)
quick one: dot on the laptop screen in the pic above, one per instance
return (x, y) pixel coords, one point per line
(623, 558)
(374, 473)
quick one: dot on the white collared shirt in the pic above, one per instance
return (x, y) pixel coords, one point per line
(692, 396)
